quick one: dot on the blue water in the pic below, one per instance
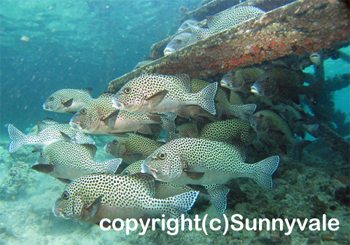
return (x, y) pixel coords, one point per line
(47, 45)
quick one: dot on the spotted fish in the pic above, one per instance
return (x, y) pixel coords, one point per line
(94, 197)
(152, 93)
(209, 163)
(228, 131)
(163, 189)
(131, 147)
(68, 100)
(180, 41)
(46, 135)
(223, 106)
(232, 17)
(99, 117)
(68, 161)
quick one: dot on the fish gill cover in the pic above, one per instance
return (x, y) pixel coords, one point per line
(276, 125)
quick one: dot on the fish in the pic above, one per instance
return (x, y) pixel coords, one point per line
(209, 163)
(131, 147)
(223, 106)
(93, 197)
(241, 79)
(274, 131)
(188, 130)
(229, 131)
(68, 100)
(280, 84)
(67, 161)
(186, 23)
(46, 134)
(179, 41)
(143, 63)
(153, 93)
(232, 17)
(163, 189)
(100, 117)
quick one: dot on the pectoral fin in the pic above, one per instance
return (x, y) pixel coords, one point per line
(65, 136)
(194, 175)
(155, 99)
(64, 181)
(94, 206)
(145, 129)
(68, 103)
(111, 118)
(43, 168)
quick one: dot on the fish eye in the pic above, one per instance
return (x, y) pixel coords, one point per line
(178, 41)
(127, 90)
(127, 172)
(65, 195)
(161, 156)
(114, 142)
(83, 111)
(50, 98)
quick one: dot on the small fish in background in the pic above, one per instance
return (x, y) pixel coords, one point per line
(94, 197)
(229, 131)
(280, 84)
(294, 118)
(152, 93)
(241, 79)
(68, 100)
(223, 106)
(131, 147)
(183, 10)
(143, 63)
(232, 17)
(67, 161)
(209, 163)
(163, 189)
(100, 117)
(46, 134)
(180, 41)
(274, 131)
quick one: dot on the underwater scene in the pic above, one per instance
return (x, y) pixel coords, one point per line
(174, 122)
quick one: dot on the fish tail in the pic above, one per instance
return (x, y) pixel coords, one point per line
(264, 170)
(242, 111)
(179, 204)
(206, 96)
(18, 138)
(112, 165)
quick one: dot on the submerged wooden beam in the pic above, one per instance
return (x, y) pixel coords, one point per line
(301, 26)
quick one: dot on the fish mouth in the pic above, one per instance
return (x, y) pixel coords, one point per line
(117, 103)
(316, 59)
(254, 90)
(168, 51)
(57, 212)
(225, 84)
(46, 107)
(75, 125)
(107, 150)
(147, 170)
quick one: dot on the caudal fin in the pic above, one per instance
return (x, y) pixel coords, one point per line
(264, 170)
(112, 165)
(18, 138)
(206, 97)
(242, 111)
(179, 204)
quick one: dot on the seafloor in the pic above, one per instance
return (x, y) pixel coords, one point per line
(304, 189)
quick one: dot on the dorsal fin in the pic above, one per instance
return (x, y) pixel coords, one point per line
(42, 125)
(88, 90)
